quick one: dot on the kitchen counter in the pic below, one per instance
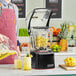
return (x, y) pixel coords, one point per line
(8, 70)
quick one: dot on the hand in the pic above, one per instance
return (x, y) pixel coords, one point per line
(3, 38)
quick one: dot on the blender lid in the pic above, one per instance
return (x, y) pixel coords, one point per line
(40, 17)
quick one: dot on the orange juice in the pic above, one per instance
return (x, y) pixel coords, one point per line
(27, 63)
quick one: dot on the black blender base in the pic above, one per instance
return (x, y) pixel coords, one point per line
(43, 60)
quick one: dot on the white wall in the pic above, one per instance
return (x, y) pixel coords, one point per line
(69, 11)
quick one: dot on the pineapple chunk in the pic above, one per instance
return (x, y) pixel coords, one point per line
(40, 41)
(70, 61)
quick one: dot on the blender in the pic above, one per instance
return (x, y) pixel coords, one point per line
(43, 58)
(71, 38)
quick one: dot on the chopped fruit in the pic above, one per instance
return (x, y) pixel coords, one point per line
(70, 61)
(40, 41)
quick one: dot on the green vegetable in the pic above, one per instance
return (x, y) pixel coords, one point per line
(23, 32)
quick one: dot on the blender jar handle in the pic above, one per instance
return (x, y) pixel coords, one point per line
(47, 25)
(29, 27)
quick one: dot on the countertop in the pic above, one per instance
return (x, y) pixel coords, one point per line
(8, 70)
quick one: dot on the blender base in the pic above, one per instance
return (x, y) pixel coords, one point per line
(42, 60)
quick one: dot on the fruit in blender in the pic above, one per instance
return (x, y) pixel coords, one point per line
(40, 41)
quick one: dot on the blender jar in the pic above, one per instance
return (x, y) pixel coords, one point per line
(40, 35)
(38, 28)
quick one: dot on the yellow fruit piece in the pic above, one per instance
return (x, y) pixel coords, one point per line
(40, 41)
(70, 61)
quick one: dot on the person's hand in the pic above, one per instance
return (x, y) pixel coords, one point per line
(3, 38)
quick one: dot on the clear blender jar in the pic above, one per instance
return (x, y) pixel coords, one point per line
(40, 38)
(39, 34)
